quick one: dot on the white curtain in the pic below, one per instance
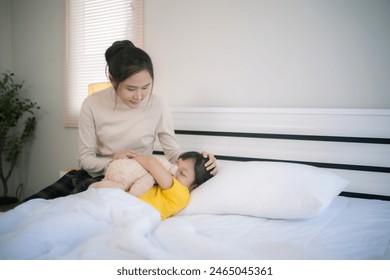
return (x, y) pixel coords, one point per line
(91, 27)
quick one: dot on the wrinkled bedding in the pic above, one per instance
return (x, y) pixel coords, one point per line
(111, 224)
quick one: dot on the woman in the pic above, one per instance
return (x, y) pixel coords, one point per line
(125, 117)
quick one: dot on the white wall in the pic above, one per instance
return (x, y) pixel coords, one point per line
(37, 40)
(5, 35)
(249, 53)
(252, 53)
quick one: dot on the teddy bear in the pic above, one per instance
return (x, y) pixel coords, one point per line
(130, 176)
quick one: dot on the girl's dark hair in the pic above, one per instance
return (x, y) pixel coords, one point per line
(124, 59)
(201, 174)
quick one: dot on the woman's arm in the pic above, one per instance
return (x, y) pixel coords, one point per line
(166, 133)
(87, 158)
(155, 168)
(167, 138)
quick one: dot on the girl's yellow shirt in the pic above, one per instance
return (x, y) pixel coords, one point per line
(170, 201)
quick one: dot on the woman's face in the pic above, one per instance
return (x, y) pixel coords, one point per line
(135, 88)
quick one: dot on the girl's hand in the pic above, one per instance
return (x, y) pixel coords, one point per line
(120, 155)
(125, 154)
(211, 164)
(132, 154)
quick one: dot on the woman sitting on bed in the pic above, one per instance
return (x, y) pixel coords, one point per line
(121, 118)
(172, 193)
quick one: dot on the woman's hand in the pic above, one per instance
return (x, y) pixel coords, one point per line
(211, 164)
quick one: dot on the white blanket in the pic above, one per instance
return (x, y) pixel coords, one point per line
(111, 224)
(91, 224)
(101, 224)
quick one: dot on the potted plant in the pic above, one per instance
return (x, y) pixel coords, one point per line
(17, 125)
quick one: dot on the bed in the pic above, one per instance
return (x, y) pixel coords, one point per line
(298, 184)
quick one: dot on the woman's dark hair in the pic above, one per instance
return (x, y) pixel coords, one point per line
(201, 174)
(124, 59)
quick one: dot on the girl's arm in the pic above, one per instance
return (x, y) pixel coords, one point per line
(155, 168)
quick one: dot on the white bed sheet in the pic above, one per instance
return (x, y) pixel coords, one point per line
(350, 228)
(110, 224)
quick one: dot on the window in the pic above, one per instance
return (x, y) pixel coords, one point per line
(91, 27)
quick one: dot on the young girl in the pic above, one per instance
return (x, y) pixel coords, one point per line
(124, 117)
(172, 193)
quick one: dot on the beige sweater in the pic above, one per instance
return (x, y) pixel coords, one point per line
(107, 126)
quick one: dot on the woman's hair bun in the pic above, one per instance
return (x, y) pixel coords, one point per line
(124, 59)
(118, 46)
(123, 43)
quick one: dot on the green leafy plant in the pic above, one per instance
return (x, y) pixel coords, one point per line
(17, 126)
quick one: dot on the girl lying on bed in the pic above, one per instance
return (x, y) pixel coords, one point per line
(139, 173)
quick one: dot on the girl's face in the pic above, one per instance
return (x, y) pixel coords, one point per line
(186, 172)
(135, 88)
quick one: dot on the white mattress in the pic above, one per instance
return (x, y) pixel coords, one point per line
(350, 228)
(110, 224)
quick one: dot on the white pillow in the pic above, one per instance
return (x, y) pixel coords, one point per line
(266, 189)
